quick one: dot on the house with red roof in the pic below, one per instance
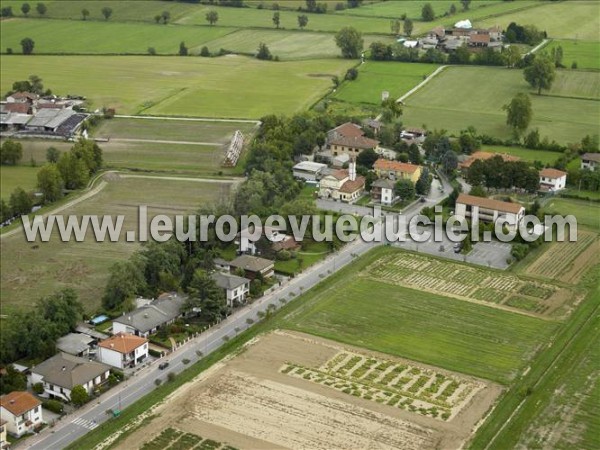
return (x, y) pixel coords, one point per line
(21, 411)
(480, 209)
(350, 139)
(342, 184)
(395, 170)
(552, 180)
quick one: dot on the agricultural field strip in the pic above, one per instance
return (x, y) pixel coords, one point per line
(408, 387)
(560, 257)
(464, 282)
(173, 439)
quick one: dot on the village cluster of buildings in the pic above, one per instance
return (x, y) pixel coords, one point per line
(462, 34)
(27, 114)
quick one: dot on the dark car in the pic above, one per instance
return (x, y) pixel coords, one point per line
(164, 365)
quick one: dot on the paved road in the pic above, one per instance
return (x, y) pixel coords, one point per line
(78, 424)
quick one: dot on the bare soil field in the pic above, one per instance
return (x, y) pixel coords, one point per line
(248, 402)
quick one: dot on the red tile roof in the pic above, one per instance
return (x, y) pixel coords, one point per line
(480, 38)
(396, 166)
(123, 342)
(552, 173)
(355, 142)
(339, 174)
(349, 129)
(489, 203)
(20, 95)
(19, 402)
(352, 186)
(21, 108)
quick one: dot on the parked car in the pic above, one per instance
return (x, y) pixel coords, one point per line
(164, 365)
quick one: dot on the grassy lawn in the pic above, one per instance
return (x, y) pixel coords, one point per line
(181, 86)
(30, 271)
(375, 77)
(12, 177)
(585, 53)
(56, 36)
(569, 20)
(285, 44)
(434, 329)
(483, 91)
(525, 154)
(587, 213)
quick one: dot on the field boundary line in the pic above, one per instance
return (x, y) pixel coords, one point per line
(191, 119)
(160, 141)
(197, 180)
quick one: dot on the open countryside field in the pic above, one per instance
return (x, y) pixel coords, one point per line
(463, 96)
(567, 20)
(443, 331)
(56, 36)
(30, 271)
(375, 77)
(12, 177)
(198, 87)
(526, 154)
(587, 213)
(585, 53)
(277, 407)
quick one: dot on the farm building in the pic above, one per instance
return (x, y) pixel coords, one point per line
(253, 266)
(123, 350)
(385, 168)
(148, 318)
(308, 170)
(489, 210)
(349, 139)
(22, 412)
(342, 184)
(590, 161)
(61, 373)
(552, 180)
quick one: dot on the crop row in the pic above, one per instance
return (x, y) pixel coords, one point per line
(560, 256)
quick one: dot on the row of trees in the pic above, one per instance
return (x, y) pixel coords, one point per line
(41, 9)
(495, 173)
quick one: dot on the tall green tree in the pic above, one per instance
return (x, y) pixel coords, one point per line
(263, 52)
(427, 13)
(106, 12)
(20, 202)
(79, 395)
(12, 380)
(62, 310)
(512, 55)
(302, 21)
(85, 14)
(50, 183)
(423, 184)
(5, 212)
(11, 152)
(183, 50)
(212, 17)
(52, 154)
(166, 16)
(25, 8)
(206, 296)
(465, 4)
(27, 45)
(540, 74)
(41, 9)
(276, 19)
(350, 42)
(408, 27)
(519, 113)
(125, 281)
(405, 189)
(449, 161)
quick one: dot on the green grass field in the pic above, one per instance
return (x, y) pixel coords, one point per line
(567, 20)
(30, 271)
(463, 96)
(92, 37)
(587, 213)
(375, 77)
(525, 154)
(12, 177)
(438, 330)
(200, 87)
(585, 53)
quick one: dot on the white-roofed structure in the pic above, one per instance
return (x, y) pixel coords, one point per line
(465, 24)
(308, 170)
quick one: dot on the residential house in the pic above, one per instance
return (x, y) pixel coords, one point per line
(21, 411)
(489, 210)
(123, 350)
(4, 444)
(22, 97)
(382, 191)
(148, 318)
(221, 264)
(479, 40)
(342, 184)
(590, 161)
(76, 344)
(395, 170)
(482, 156)
(552, 180)
(253, 266)
(349, 138)
(247, 238)
(308, 170)
(236, 288)
(61, 373)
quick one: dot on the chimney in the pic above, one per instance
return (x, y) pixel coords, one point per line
(352, 170)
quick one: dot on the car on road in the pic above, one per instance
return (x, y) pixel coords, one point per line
(458, 247)
(164, 365)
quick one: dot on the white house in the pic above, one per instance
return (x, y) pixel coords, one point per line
(552, 180)
(590, 161)
(308, 170)
(489, 210)
(62, 372)
(342, 184)
(236, 288)
(3, 439)
(148, 318)
(123, 350)
(247, 238)
(21, 411)
(382, 191)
